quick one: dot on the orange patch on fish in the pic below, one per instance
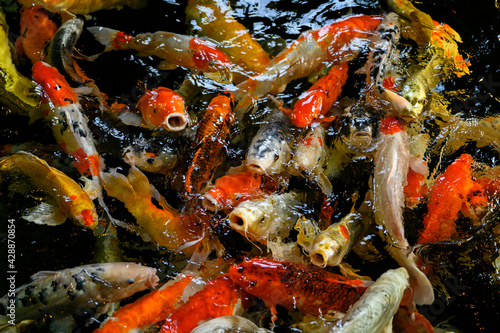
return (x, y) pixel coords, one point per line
(54, 84)
(390, 83)
(86, 164)
(414, 190)
(121, 39)
(205, 55)
(391, 125)
(344, 231)
(88, 218)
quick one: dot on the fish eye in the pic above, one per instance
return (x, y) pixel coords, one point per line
(276, 157)
(130, 281)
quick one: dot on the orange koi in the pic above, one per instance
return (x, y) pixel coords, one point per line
(68, 120)
(210, 139)
(36, 30)
(408, 319)
(214, 20)
(163, 108)
(147, 310)
(304, 55)
(446, 199)
(219, 297)
(318, 99)
(297, 286)
(231, 189)
(175, 50)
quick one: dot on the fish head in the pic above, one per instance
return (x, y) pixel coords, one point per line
(33, 19)
(163, 108)
(310, 151)
(268, 156)
(325, 251)
(251, 219)
(87, 218)
(356, 128)
(122, 279)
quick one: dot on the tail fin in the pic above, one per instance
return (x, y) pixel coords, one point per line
(400, 104)
(117, 185)
(105, 36)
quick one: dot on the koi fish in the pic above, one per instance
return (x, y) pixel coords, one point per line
(415, 188)
(381, 51)
(151, 159)
(84, 7)
(163, 108)
(335, 242)
(37, 29)
(17, 92)
(230, 323)
(66, 198)
(175, 50)
(231, 189)
(408, 319)
(69, 123)
(421, 25)
(219, 297)
(297, 286)
(83, 289)
(392, 157)
(270, 149)
(309, 157)
(163, 225)
(331, 43)
(214, 20)
(210, 139)
(265, 218)
(319, 98)
(147, 310)
(377, 306)
(446, 198)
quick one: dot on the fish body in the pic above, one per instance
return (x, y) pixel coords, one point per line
(392, 158)
(84, 6)
(68, 121)
(335, 242)
(377, 306)
(265, 218)
(147, 310)
(163, 108)
(331, 43)
(270, 148)
(67, 199)
(211, 137)
(319, 98)
(229, 323)
(446, 198)
(175, 50)
(81, 289)
(37, 29)
(382, 51)
(297, 286)
(219, 297)
(151, 159)
(214, 20)
(231, 189)
(163, 225)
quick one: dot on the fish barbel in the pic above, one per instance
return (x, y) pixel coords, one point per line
(392, 158)
(83, 6)
(175, 50)
(163, 225)
(163, 108)
(67, 199)
(377, 306)
(94, 287)
(214, 20)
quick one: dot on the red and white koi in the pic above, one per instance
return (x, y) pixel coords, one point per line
(163, 108)
(296, 286)
(319, 98)
(336, 42)
(69, 124)
(175, 50)
(392, 156)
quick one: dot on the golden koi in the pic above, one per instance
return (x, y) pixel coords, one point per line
(163, 225)
(213, 19)
(67, 198)
(175, 50)
(84, 7)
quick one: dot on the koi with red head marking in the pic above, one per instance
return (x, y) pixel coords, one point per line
(163, 108)
(210, 139)
(219, 297)
(297, 286)
(67, 118)
(318, 99)
(175, 50)
(36, 30)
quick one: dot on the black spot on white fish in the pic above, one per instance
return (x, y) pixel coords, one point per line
(41, 297)
(80, 281)
(55, 285)
(79, 130)
(71, 294)
(130, 281)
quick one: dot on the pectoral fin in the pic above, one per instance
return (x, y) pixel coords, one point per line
(45, 213)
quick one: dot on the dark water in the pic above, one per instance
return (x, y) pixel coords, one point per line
(473, 297)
